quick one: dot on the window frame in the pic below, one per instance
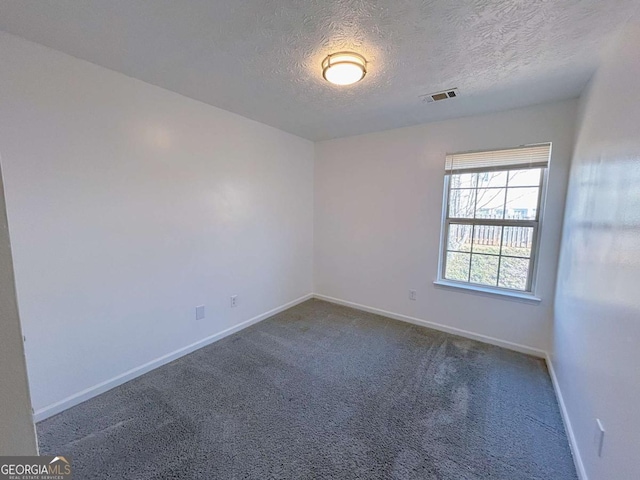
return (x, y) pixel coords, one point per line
(537, 224)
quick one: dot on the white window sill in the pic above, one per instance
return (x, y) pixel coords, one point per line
(488, 291)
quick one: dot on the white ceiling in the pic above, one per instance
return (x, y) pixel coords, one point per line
(261, 58)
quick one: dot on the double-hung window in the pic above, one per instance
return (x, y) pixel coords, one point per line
(492, 217)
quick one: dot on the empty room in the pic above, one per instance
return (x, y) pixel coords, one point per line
(337, 239)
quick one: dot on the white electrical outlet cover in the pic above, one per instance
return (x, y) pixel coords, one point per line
(199, 312)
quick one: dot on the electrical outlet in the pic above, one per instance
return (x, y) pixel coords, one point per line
(234, 301)
(199, 312)
(598, 438)
(412, 295)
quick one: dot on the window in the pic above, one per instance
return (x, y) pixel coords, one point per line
(493, 212)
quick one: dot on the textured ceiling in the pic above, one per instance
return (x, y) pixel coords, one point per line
(262, 58)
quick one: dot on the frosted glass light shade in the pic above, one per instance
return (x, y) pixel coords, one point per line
(344, 68)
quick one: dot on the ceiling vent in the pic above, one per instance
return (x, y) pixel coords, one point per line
(444, 95)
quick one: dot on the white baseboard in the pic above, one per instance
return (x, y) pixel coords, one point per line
(437, 326)
(582, 474)
(102, 387)
(577, 459)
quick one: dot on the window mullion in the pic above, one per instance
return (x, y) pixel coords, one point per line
(504, 214)
(473, 227)
(473, 233)
(500, 256)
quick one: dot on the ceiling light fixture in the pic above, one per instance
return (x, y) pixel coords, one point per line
(344, 68)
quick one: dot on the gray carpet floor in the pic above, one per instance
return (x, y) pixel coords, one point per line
(322, 391)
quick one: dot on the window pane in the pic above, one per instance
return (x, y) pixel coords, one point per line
(487, 238)
(457, 266)
(524, 178)
(522, 203)
(492, 179)
(459, 238)
(490, 203)
(514, 273)
(464, 180)
(461, 202)
(517, 241)
(484, 269)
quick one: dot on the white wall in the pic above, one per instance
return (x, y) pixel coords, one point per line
(17, 435)
(597, 323)
(128, 206)
(378, 210)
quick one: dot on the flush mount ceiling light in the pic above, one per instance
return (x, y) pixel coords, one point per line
(344, 68)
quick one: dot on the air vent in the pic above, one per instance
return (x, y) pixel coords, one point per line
(444, 95)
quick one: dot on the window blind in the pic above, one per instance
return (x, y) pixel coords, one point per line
(531, 156)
